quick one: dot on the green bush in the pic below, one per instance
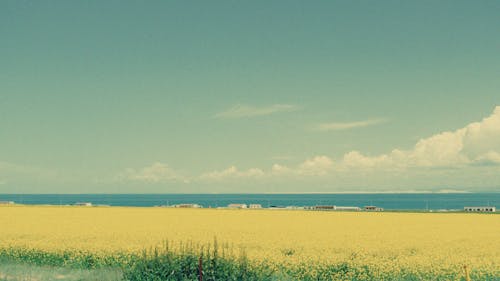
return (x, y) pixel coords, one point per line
(190, 261)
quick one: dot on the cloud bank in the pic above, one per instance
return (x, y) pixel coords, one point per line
(476, 143)
(458, 160)
(432, 159)
(469, 156)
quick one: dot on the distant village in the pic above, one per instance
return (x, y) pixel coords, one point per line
(370, 208)
(487, 209)
(276, 207)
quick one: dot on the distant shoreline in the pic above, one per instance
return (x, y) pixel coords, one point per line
(386, 201)
(416, 211)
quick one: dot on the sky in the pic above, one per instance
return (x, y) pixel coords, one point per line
(249, 97)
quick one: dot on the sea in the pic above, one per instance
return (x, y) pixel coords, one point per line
(388, 201)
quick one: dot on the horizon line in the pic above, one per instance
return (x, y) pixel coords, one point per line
(260, 193)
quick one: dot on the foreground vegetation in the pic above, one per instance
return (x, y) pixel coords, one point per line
(210, 262)
(257, 245)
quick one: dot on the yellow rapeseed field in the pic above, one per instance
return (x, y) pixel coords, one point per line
(389, 241)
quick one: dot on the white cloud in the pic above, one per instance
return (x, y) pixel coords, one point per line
(483, 137)
(241, 111)
(156, 173)
(337, 126)
(443, 149)
(316, 166)
(356, 159)
(477, 142)
(278, 170)
(231, 173)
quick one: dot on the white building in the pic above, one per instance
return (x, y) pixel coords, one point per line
(294, 208)
(237, 206)
(84, 204)
(325, 208)
(255, 206)
(373, 208)
(6, 202)
(480, 209)
(348, 208)
(187, 205)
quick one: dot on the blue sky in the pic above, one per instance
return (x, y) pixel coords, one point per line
(264, 96)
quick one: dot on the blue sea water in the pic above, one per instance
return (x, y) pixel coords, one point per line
(432, 201)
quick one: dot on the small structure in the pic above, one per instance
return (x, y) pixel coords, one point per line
(187, 205)
(443, 210)
(6, 202)
(373, 209)
(480, 209)
(255, 206)
(348, 208)
(83, 204)
(325, 208)
(294, 208)
(237, 206)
